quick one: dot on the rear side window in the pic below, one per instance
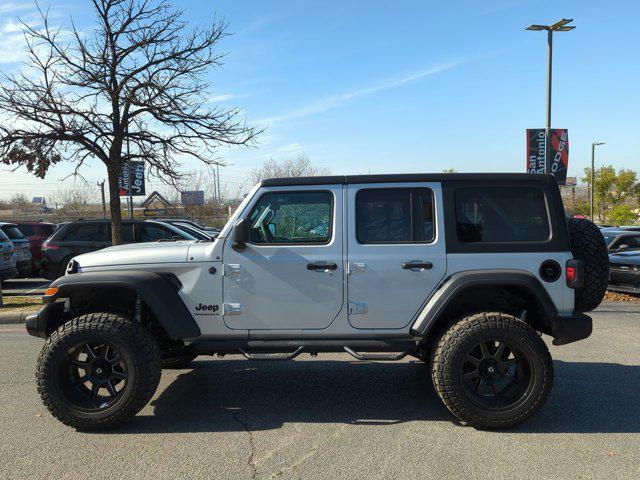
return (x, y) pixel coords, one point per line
(292, 218)
(27, 230)
(12, 232)
(47, 229)
(85, 232)
(501, 214)
(395, 215)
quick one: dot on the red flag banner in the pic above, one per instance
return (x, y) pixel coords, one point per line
(558, 160)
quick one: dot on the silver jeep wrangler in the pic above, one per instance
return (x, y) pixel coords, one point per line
(463, 271)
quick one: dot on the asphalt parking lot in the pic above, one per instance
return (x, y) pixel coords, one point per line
(331, 417)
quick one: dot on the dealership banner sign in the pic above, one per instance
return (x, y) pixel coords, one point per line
(131, 181)
(558, 160)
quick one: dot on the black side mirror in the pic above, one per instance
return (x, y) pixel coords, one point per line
(241, 234)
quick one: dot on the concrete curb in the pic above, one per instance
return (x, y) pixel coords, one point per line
(9, 318)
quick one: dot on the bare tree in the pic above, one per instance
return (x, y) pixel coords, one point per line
(299, 166)
(137, 79)
(78, 201)
(20, 204)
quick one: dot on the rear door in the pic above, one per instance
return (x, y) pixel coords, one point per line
(290, 275)
(396, 251)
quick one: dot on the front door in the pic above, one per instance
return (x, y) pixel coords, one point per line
(290, 275)
(396, 252)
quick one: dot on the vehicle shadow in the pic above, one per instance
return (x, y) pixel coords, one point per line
(236, 395)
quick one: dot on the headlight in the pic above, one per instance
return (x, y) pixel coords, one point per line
(72, 267)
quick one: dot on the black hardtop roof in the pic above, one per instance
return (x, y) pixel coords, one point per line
(409, 177)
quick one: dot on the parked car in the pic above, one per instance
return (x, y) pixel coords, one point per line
(193, 231)
(618, 240)
(7, 258)
(21, 246)
(36, 233)
(624, 272)
(183, 221)
(84, 236)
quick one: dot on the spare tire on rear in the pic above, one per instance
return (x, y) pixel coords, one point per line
(587, 245)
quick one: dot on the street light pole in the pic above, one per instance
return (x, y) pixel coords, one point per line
(560, 26)
(593, 163)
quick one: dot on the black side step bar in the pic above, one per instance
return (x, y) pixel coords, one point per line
(375, 355)
(272, 356)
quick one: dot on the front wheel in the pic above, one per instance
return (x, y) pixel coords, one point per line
(97, 371)
(492, 370)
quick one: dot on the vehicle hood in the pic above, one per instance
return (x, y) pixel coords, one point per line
(136, 254)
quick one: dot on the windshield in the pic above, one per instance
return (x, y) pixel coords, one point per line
(608, 239)
(12, 232)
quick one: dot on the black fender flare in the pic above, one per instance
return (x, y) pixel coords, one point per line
(159, 292)
(437, 303)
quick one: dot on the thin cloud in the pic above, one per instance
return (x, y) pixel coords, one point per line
(335, 101)
(225, 97)
(289, 148)
(15, 7)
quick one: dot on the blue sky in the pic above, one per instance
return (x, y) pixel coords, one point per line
(410, 86)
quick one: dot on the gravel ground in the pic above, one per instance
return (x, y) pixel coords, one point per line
(331, 417)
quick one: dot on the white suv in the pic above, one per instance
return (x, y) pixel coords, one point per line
(459, 270)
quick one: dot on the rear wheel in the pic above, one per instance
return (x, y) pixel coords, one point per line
(492, 370)
(97, 371)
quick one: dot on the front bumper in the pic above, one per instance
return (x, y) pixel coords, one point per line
(36, 323)
(571, 328)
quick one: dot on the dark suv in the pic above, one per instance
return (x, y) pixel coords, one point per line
(76, 238)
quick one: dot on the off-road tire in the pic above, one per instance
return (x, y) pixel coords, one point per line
(587, 245)
(447, 359)
(178, 361)
(141, 354)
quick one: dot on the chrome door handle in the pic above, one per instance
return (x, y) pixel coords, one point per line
(417, 265)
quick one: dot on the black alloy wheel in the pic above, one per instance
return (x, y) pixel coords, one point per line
(492, 370)
(93, 376)
(495, 374)
(98, 370)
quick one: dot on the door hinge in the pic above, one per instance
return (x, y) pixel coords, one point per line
(356, 308)
(355, 267)
(232, 308)
(232, 269)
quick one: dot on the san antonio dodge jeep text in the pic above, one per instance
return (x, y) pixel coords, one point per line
(460, 270)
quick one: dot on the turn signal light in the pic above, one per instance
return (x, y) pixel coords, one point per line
(50, 291)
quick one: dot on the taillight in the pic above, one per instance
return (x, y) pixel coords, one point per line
(574, 273)
(49, 246)
(571, 274)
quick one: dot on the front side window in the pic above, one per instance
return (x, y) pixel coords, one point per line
(153, 233)
(395, 215)
(501, 214)
(292, 217)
